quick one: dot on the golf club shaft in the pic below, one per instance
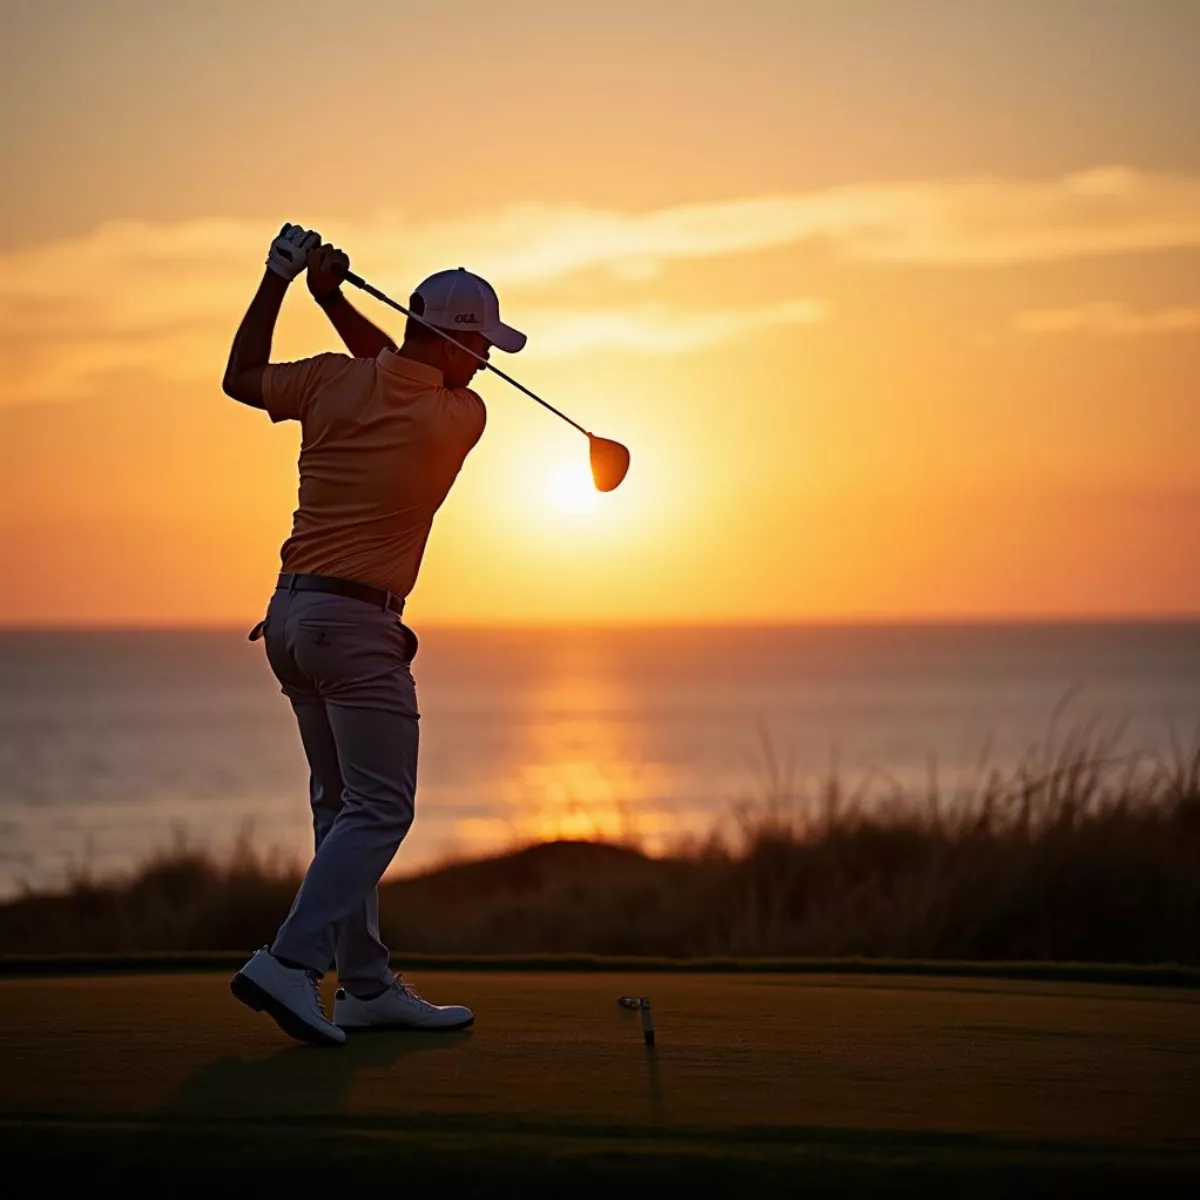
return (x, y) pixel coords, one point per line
(360, 282)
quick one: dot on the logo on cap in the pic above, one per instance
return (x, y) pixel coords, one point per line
(466, 319)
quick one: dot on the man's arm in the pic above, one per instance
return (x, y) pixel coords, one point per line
(251, 350)
(327, 266)
(362, 339)
(252, 343)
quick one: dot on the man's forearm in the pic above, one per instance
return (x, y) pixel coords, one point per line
(252, 342)
(362, 339)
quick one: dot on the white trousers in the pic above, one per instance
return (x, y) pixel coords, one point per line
(345, 665)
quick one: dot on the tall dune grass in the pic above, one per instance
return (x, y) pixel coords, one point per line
(1083, 852)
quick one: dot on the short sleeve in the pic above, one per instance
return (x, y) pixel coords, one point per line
(288, 388)
(467, 418)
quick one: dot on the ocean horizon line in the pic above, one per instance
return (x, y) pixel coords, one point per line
(1052, 621)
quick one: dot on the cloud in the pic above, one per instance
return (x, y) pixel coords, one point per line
(177, 355)
(976, 222)
(163, 297)
(1108, 320)
(660, 329)
(990, 222)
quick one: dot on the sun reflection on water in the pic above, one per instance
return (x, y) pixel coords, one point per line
(584, 770)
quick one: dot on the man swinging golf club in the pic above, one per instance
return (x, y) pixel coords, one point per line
(384, 434)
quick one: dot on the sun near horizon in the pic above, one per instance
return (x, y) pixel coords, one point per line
(570, 490)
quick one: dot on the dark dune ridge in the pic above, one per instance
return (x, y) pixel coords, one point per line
(1082, 855)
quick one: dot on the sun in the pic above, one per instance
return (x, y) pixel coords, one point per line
(570, 489)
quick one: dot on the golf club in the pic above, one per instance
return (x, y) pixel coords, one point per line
(609, 459)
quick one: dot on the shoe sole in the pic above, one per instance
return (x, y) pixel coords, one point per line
(255, 997)
(348, 1029)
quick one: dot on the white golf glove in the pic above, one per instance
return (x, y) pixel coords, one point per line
(289, 251)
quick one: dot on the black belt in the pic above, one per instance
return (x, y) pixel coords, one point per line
(380, 597)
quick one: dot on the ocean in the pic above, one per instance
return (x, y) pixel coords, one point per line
(114, 745)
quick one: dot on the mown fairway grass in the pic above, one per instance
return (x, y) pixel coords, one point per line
(889, 1084)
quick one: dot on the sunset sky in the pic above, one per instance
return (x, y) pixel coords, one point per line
(897, 304)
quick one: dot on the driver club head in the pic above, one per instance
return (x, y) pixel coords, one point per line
(610, 462)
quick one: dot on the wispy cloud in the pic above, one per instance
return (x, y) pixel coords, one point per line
(976, 222)
(73, 366)
(163, 297)
(659, 328)
(1106, 319)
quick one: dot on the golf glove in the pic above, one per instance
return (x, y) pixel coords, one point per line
(289, 250)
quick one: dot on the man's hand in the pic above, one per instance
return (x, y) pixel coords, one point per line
(327, 266)
(288, 255)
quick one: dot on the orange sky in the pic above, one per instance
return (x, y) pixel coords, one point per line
(896, 304)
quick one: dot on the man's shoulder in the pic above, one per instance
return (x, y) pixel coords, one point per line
(464, 413)
(340, 362)
(470, 403)
(331, 358)
(321, 369)
(338, 370)
(471, 398)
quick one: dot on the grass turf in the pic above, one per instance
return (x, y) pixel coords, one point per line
(871, 1083)
(1161, 974)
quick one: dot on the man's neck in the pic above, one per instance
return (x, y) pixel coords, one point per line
(422, 352)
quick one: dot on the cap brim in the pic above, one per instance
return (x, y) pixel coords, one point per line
(505, 337)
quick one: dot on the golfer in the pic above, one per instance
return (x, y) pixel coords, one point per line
(384, 434)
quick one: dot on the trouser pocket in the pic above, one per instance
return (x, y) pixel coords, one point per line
(358, 663)
(413, 644)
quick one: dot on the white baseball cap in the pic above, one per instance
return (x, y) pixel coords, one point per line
(459, 300)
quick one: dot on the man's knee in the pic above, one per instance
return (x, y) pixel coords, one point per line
(382, 805)
(325, 794)
(391, 815)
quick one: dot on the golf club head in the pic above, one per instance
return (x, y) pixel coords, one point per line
(610, 462)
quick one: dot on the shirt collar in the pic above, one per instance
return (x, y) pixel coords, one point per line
(409, 368)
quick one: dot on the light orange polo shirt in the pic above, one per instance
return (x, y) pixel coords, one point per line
(382, 441)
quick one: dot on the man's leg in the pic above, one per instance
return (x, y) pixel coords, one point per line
(361, 956)
(372, 997)
(358, 661)
(377, 752)
(284, 989)
(325, 783)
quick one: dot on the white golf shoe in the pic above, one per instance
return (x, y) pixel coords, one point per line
(399, 1007)
(289, 994)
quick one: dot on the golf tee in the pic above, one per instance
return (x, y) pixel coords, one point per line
(647, 1021)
